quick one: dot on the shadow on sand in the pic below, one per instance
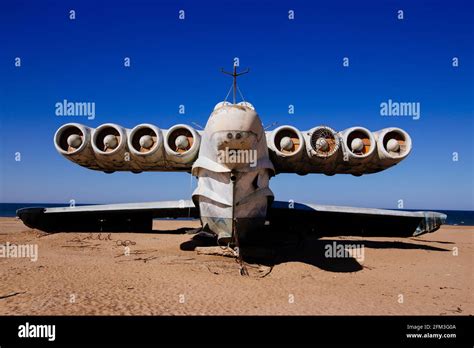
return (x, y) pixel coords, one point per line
(307, 249)
(183, 230)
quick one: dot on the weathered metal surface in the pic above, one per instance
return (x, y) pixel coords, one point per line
(378, 151)
(234, 159)
(108, 217)
(231, 192)
(369, 156)
(326, 220)
(111, 147)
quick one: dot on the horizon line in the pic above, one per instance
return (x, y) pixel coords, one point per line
(66, 204)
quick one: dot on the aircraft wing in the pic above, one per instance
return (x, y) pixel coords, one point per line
(328, 220)
(108, 217)
(325, 220)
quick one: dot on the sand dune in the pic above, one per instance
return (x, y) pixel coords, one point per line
(161, 274)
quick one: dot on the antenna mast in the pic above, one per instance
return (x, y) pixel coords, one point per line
(235, 74)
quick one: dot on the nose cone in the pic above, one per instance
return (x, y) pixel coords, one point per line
(233, 139)
(393, 145)
(286, 143)
(74, 140)
(234, 127)
(182, 142)
(357, 144)
(322, 144)
(146, 141)
(110, 141)
(235, 118)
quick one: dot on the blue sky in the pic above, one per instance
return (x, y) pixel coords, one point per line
(296, 62)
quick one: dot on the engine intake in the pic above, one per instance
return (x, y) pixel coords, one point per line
(71, 138)
(393, 143)
(324, 142)
(286, 141)
(145, 140)
(359, 143)
(109, 142)
(145, 143)
(182, 144)
(73, 141)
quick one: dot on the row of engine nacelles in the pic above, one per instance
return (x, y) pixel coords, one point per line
(355, 150)
(111, 147)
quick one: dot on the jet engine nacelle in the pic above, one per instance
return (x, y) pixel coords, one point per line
(73, 141)
(359, 145)
(324, 149)
(145, 143)
(393, 145)
(109, 142)
(286, 145)
(181, 145)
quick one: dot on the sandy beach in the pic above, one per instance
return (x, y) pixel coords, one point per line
(160, 273)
